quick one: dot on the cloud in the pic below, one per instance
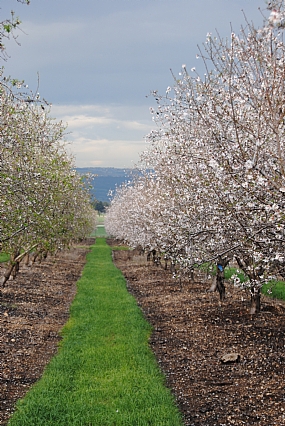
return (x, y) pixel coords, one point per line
(106, 136)
(97, 61)
(105, 152)
(79, 121)
(115, 51)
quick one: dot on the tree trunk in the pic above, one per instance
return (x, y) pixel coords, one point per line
(255, 294)
(16, 269)
(27, 260)
(165, 264)
(35, 256)
(255, 301)
(220, 283)
(6, 275)
(220, 280)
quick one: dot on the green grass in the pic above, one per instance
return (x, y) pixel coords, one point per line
(230, 271)
(100, 219)
(118, 248)
(275, 289)
(104, 373)
(4, 257)
(100, 231)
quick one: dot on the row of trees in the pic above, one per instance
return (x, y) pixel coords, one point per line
(213, 183)
(44, 204)
(100, 206)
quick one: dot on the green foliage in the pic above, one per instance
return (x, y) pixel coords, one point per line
(4, 257)
(105, 373)
(100, 206)
(7, 28)
(45, 205)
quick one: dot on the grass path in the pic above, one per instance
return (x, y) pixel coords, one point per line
(100, 229)
(104, 373)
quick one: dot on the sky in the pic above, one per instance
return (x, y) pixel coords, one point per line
(99, 60)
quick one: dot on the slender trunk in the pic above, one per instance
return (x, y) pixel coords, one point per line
(255, 301)
(27, 259)
(220, 282)
(255, 294)
(35, 256)
(220, 278)
(165, 264)
(214, 284)
(157, 261)
(7, 274)
(16, 269)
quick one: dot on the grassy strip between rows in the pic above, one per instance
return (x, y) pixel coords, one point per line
(100, 231)
(104, 372)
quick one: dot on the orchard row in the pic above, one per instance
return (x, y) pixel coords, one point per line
(44, 204)
(211, 186)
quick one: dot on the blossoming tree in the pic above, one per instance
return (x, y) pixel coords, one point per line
(218, 156)
(43, 202)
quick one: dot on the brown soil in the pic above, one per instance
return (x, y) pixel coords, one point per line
(191, 333)
(33, 309)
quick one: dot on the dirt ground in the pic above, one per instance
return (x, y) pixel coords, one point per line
(191, 334)
(33, 308)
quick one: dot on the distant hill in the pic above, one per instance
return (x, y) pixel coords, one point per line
(106, 179)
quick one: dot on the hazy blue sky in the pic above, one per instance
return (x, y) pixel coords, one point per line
(98, 61)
